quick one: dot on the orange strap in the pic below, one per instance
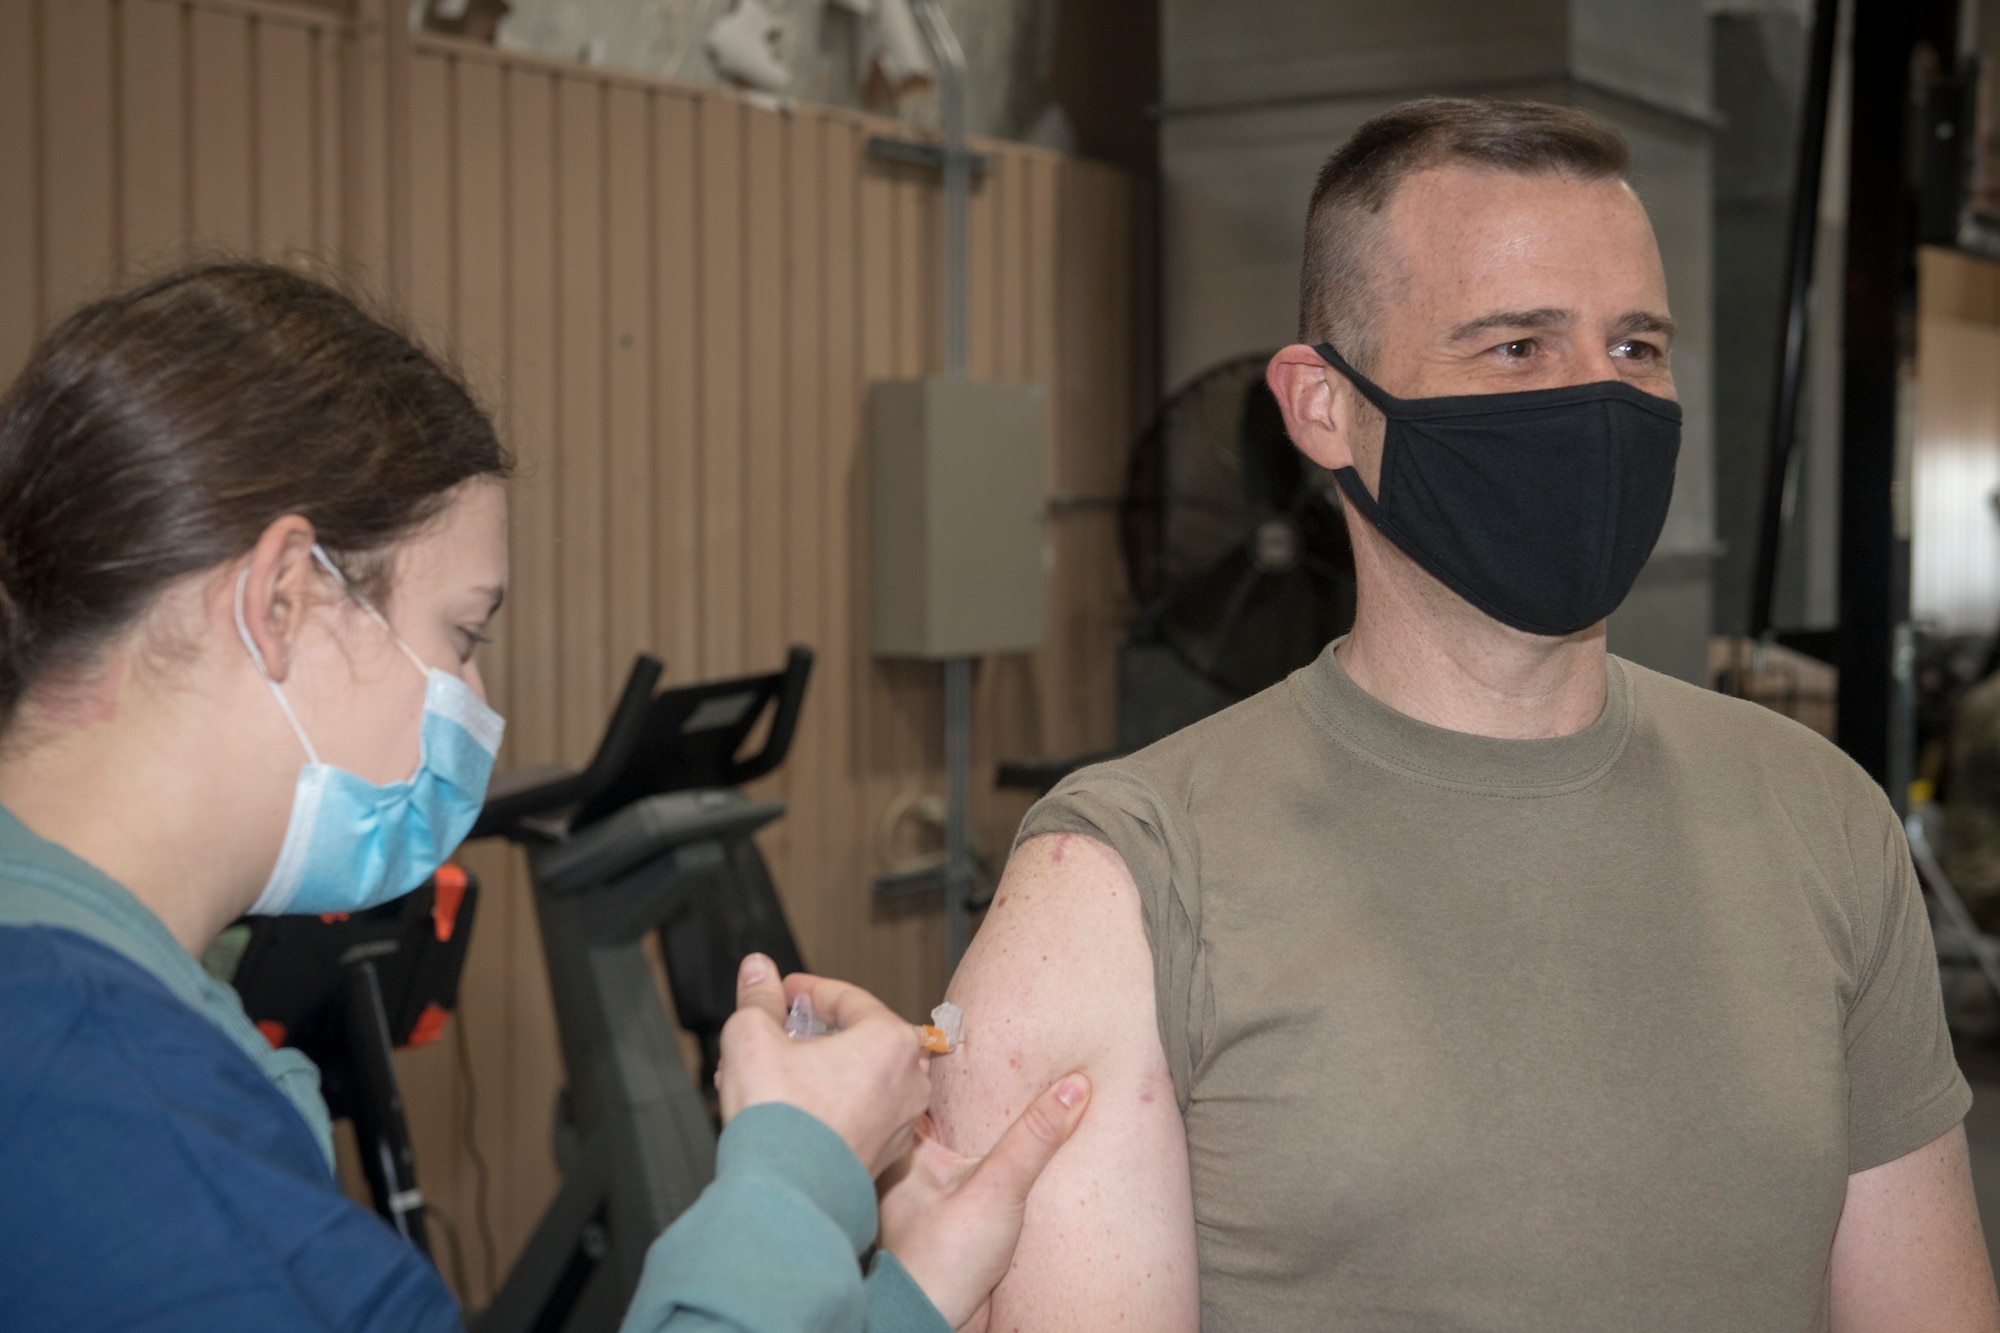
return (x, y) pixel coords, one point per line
(429, 1026)
(451, 881)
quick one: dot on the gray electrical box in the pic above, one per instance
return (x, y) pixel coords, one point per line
(959, 503)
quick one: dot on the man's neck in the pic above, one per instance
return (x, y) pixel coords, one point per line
(1442, 662)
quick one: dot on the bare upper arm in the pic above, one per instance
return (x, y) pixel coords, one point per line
(1909, 1254)
(1060, 977)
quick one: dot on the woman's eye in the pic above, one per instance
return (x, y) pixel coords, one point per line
(474, 640)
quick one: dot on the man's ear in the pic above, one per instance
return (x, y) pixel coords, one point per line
(1318, 403)
(279, 579)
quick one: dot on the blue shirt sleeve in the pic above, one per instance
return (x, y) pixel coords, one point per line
(773, 1243)
(151, 1178)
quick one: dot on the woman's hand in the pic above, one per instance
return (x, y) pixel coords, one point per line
(954, 1221)
(869, 1081)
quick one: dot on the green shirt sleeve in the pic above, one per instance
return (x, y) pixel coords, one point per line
(896, 1304)
(772, 1245)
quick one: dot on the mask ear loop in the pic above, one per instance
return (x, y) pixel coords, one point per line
(326, 562)
(264, 670)
(1384, 401)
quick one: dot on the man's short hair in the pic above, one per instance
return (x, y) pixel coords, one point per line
(1337, 290)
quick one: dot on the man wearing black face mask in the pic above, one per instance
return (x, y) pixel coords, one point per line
(1471, 977)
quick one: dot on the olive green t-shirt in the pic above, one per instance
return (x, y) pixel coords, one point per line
(1583, 1033)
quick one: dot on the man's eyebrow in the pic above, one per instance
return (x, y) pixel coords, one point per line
(1545, 318)
(1548, 317)
(1644, 321)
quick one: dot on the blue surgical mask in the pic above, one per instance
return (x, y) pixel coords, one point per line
(354, 844)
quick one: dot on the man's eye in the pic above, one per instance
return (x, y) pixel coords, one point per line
(1636, 351)
(1517, 351)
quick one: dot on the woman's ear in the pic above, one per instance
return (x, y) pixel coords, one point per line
(1318, 403)
(277, 589)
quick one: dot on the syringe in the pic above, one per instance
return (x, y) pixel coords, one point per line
(941, 1036)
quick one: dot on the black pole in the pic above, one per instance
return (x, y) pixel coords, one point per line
(1792, 348)
(387, 1156)
(1877, 343)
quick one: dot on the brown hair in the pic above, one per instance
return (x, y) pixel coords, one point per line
(156, 434)
(1337, 297)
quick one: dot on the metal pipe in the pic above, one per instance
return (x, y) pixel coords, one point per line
(1783, 458)
(950, 57)
(958, 868)
(957, 818)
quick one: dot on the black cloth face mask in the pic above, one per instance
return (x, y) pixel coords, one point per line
(1538, 507)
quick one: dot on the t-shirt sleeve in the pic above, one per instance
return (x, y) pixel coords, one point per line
(1115, 807)
(1904, 1086)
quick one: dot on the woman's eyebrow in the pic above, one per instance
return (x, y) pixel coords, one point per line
(498, 595)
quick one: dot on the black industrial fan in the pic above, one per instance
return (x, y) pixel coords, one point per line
(1237, 553)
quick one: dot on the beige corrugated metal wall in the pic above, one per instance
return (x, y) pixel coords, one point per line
(673, 303)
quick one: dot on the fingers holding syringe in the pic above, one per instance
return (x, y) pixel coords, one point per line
(758, 986)
(883, 1049)
(870, 1060)
(839, 1004)
(754, 1056)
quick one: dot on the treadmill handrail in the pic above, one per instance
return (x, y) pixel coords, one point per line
(504, 815)
(784, 723)
(599, 856)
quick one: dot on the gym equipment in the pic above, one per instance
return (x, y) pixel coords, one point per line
(348, 989)
(1237, 554)
(651, 835)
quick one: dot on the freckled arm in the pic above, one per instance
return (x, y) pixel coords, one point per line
(1060, 977)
